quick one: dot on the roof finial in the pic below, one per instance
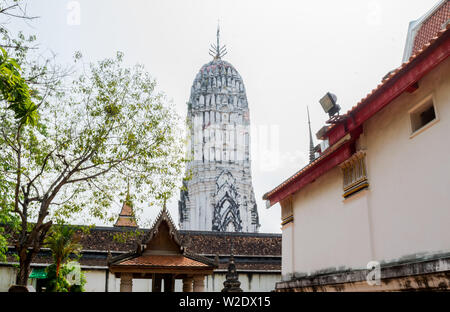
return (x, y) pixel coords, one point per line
(311, 144)
(128, 197)
(217, 51)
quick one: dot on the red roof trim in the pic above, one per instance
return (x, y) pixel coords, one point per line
(398, 82)
(312, 173)
(401, 80)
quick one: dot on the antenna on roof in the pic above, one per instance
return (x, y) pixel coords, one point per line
(216, 50)
(311, 144)
(128, 197)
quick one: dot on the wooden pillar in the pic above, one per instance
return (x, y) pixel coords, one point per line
(126, 282)
(156, 283)
(168, 283)
(187, 284)
(199, 283)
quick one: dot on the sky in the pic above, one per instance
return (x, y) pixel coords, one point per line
(289, 54)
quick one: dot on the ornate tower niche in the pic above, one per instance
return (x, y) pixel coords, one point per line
(219, 196)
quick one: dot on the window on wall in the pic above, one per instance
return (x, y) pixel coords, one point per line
(422, 115)
(354, 174)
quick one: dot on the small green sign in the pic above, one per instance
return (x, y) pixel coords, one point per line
(38, 273)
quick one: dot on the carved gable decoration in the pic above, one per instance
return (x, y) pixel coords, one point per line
(163, 237)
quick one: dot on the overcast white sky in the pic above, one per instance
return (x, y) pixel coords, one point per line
(289, 53)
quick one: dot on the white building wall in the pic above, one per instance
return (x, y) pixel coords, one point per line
(250, 282)
(95, 280)
(287, 243)
(329, 233)
(404, 212)
(7, 277)
(410, 176)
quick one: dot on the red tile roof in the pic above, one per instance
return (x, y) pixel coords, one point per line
(441, 38)
(163, 261)
(303, 170)
(127, 210)
(394, 73)
(126, 217)
(124, 221)
(431, 26)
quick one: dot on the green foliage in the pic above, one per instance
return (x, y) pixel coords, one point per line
(108, 127)
(15, 90)
(127, 236)
(63, 242)
(3, 246)
(60, 283)
(68, 150)
(9, 223)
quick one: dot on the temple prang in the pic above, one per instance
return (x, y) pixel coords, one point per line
(219, 196)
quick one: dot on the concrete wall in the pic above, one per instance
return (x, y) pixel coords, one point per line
(96, 281)
(410, 177)
(250, 282)
(330, 234)
(287, 244)
(8, 277)
(405, 211)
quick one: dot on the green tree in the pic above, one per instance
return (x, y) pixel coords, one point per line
(63, 242)
(60, 283)
(108, 126)
(16, 94)
(15, 91)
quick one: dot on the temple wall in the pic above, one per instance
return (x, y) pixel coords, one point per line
(329, 233)
(405, 211)
(250, 282)
(96, 281)
(410, 175)
(7, 277)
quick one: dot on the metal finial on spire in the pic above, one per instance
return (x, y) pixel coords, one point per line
(311, 144)
(128, 197)
(216, 50)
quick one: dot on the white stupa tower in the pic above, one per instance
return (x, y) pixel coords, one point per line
(219, 195)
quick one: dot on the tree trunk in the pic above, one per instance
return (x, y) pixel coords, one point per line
(58, 265)
(35, 239)
(24, 269)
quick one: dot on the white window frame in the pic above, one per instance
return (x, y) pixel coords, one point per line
(417, 107)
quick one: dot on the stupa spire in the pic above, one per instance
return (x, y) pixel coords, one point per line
(126, 216)
(311, 144)
(216, 50)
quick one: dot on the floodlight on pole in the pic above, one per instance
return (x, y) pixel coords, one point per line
(328, 102)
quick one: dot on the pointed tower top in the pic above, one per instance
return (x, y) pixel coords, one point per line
(128, 197)
(216, 50)
(311, 144)
(126, 216)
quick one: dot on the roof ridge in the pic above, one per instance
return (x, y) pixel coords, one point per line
(199, 258)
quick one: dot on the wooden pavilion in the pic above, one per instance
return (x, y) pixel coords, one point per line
(161, 257)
